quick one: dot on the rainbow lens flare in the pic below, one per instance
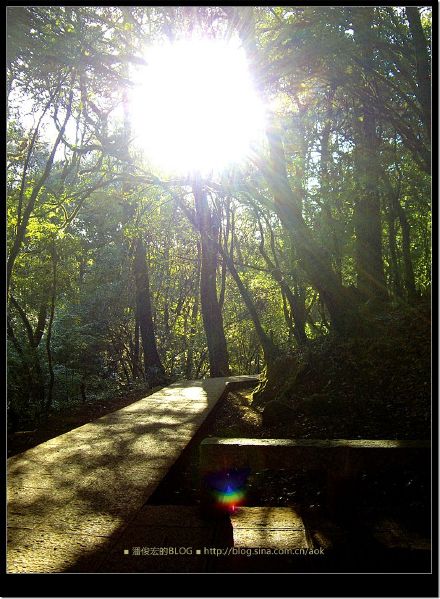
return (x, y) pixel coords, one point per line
(227, 488)
(230, 499)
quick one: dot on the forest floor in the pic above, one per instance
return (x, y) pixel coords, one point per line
(376, 385)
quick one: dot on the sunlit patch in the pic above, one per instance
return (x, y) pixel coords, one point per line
(194, 107)
(228, 488)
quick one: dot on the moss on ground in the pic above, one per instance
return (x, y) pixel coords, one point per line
(374, 386)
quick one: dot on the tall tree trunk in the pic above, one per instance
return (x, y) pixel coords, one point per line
(37, 392)
(408, 270)
(296, 297)
(313, 258)
(82, 389)
(194, 315)
(41, 322)
(288, 317)
(49, 330)
(422, 65)
(367, 220)
(154, 371)
(269, 348)
(325, 187)
(136, 345)
(229, 229)
(399, 212)
(210, 307)
(392, 246)
(296, 306)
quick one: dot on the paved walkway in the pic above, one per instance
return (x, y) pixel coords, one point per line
(176, 538)
(70, 499)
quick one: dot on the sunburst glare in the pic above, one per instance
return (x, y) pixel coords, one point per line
(194, 106)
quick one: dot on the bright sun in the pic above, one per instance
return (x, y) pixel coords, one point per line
(194, 108)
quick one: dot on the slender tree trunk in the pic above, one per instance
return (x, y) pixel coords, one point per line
(192, 331)
(41, 322)
(409, 278)
(126, 373)
(228, 229)
(194, 315)
(200, 364)
(154, 371)
(399, 212)
(269, 348)
(82, 271)
(136, 346)
(13, 411)
(288, 317)
(325, 187)
(296, 297)
(211, 312)
(422, 65)
(367, 221)
(49, 331)
(296, 309)
(392, 246)
(82, 389)
(31, 356)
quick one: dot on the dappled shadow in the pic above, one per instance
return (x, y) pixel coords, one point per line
(78, 501)
(87, 484)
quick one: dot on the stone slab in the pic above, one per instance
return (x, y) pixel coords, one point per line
(268, 527)
(344, 455)
(280, 518)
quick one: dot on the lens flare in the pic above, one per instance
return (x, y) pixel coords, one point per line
(230, 499)
(227, 488)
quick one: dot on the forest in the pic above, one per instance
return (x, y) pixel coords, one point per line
(203, 191)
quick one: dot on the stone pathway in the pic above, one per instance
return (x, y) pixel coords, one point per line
(70, 499)
(176, 538)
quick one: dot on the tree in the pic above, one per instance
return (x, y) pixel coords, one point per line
(210, 307)
(119, 272)
(153, 368)
(367, 218)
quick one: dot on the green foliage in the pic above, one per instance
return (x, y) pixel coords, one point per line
(95, 196)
